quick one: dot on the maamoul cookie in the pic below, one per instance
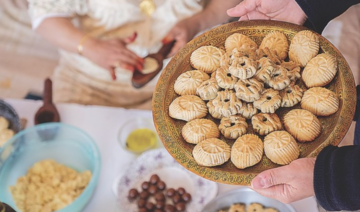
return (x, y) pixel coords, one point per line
(255, 207)
(281, 148)
(206, 58)
(248, 90)
(269, 101)
(188, 82)
(279, 78)
(293, 70)
(198, 130)
(208, 89)
(233, 126)
(238, 207)
(303, 47)
(276, 41)
(187, 107)
(291, 95)
(4, 123)
(320, 70)
(265, 123)
(213, 111)
(211, 152)
(265, 69)
(243, 52)
(239, 41)
(226, 103)
(320, 101)
(224, 78)
(302, 124)
(247, 110)
(243, 67)
(269, 53)
(247, 151)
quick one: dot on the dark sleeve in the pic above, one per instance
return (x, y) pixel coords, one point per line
(337, 178)
(321, 12)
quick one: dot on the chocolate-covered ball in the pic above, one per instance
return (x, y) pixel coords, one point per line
(133, 194)
(145, 185)
(170, 192)
(144, 195)
(150, 206)
(176, 198)
(161, 185)
(154, 179)
(181, 191)
(186, 197)
(169, 208)
(143, 210)
(160, 204)
(141, 203)
(159, 196)
(153, 189)
(180, 207)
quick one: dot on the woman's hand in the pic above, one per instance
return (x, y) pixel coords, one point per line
(110, 54)
(287, 183)
(281, 10)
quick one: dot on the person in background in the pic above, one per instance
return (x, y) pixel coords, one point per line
(102, 42)
(334, 176)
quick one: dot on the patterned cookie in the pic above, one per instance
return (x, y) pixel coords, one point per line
(211, 152)
(293, 70)
(249, 53)
(198, 130)
(238, 207)
(243, 67)
(302, 124)
(208, 89)
(303, 47)
(187, 108)
(265, 123)
(279, 78)
(320, 71)
(281, 148)
(224, 78)
(265, 69)
(248, 90)
(320, 101)
(206, 58)
(291, 95)
(277, 41)
(255, 207)
(188, 82)
(270, 54)
(226, 103)
(247, 110)
(233, 126)
(239, 41)
(269, 101)
(214, 112)
(247, 151)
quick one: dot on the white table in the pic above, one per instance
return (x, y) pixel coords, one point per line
(102, 124)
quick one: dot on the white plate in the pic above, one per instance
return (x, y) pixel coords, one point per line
(160, 162)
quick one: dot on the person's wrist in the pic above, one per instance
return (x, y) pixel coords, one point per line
(89, 47)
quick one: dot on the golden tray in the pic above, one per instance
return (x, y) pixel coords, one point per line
(334, 127)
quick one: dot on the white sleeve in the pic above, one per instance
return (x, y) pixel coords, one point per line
(39, 10)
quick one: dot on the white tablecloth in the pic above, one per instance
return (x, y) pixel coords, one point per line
(102, 124)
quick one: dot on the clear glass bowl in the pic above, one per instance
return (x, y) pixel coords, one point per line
(63, 143)
(135, 124)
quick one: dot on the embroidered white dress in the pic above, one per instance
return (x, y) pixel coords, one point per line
(78, 79)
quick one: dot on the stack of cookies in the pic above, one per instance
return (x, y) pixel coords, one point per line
(244, 86)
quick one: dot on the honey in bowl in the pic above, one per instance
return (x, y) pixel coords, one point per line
(140, 140)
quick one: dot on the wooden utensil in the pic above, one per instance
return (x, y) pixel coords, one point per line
(47, 112)
(139, 79)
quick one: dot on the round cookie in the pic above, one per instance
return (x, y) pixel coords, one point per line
(281, 148)
(255, 207)
(226, 103)
(265, 69)
(243, 52)
(224, 78)
(302, 124)
(293, 70)
(276, 41)
(239, 41)
(237, 207)
(208, 89)
(188, 82)
(303, 47)
(233, 126)
(243, 67)
(247, 151)
(291, 95)
(206, 58)
(187, 107)
(248, 90)
(279, 78)
(214, 112)
(211, 152)
(320, 101)
(247, 110)
(269, 101)
(320, 71)
(198, 130)
(265, 123)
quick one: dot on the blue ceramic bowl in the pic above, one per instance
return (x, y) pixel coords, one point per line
(63, 143)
